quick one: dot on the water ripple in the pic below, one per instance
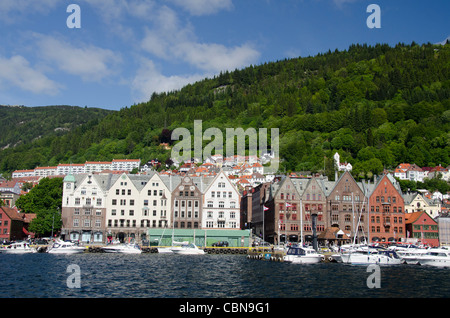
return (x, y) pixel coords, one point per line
(207, 276)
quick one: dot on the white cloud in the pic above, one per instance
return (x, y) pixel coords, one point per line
(149, 80)
(89, 62)
(112, 10)
(17, 72)
(340, 3)
(204, 7)
(171, 41)
(216, 57)
(10, 10)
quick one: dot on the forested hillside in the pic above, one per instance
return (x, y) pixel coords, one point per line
(376, 105)
(20, 124)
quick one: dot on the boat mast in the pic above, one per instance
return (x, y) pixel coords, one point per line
(368, 217)
(353, 220)
(301, 222)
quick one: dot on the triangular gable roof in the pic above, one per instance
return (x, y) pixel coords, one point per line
(411, 218)
(11, 213)
(391, 179)
(281, 184)
(103, 182)
(316, 181)
(221, 173)
(348, 174)
(122, 177)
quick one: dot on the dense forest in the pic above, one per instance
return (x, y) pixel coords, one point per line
(377, 106)
(23, 125)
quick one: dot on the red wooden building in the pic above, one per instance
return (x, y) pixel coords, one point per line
(422, 227)
(14, 225)
(387, 212)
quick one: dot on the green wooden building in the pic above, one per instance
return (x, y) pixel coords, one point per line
(163, 237)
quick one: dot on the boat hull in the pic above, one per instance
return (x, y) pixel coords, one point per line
(367, 259)
(67, 251)
(165, 250)
(188, 250)
(18, 248)
(297, 259)
(122, 249)
(436, 262)
(18, 251)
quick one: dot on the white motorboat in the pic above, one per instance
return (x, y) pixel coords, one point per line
(60, 247)
(435, 257)
(123, 248)
(302, 255)
(347, 249)
(165, 250)
(168, 249)
(410, 254)
(188, 249)
(18, 248)
(368, 257)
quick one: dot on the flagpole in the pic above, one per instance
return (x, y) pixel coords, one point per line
(263, 216)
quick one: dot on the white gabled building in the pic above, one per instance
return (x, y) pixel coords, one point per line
(221, 204)
(135, 204)
(84, 207)
(416, 201)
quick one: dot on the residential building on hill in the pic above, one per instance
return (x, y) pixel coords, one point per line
(412, 172)
(416, 201)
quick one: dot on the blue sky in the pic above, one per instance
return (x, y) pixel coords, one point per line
(127, 49)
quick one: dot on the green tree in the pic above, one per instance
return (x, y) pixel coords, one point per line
(46, 222)
(47, 195)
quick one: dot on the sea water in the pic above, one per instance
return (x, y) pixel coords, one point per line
(42, 275)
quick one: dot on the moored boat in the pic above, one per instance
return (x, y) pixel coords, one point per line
(60, 247)
(410, 254)
(368, 257)
(435, 257)
(302, 255)
(123, 248)
(188, 249)
(18, 248)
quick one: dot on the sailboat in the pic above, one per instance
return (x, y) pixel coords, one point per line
(298, 254)
(164, 249)
(367, 255)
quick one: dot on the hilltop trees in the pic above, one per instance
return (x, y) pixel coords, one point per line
(377, 105)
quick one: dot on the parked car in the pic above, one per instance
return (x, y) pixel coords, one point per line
(220, 244)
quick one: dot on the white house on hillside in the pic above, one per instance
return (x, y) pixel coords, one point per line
(341, 166)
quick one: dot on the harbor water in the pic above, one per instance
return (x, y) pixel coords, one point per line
(101, 275)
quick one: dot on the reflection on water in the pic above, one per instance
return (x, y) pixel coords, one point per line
(208, 276)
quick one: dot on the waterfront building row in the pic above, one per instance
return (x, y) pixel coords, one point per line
(335, 212)
(106, 206)
(101, 207)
